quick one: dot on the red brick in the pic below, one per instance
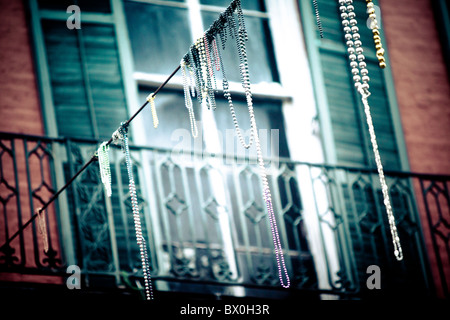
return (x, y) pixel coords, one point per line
(423, 94)
(19, 106)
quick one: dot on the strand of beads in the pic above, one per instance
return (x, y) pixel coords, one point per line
(355, 52)
(188, 100)
(210, 72)
(354, 44)
(216, 54)
(318, 21)
(227, 95)
(201, 65)
(281, 265)
(398, 252)
(120, 136)
(206, 80)
(376, 34)
(282, 271)
(151, 99)
(42, 228)
(214, 63)
(242, 36)
(105, 171)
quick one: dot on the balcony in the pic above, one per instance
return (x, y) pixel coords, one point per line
(207, 229)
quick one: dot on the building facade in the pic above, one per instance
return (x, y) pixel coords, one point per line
(65, 90)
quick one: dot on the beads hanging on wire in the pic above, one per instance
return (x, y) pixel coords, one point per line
(120, 136)
(199, 59)
(355, 52)
(318, 21)
(151, 100)
(42, 226)
(105, 171)
(376, 34)
(187, 98)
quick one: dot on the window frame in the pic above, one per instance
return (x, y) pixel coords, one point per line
(297, 106)
(271, 90)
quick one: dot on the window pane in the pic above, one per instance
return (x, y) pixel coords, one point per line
(174, 125)
(259, 50)
(246, 4)
(269, 120)
(85, 5)
(160, 36)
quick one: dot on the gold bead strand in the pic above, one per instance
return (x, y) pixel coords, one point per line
(42, 228)
(376, 34)
(151, 99)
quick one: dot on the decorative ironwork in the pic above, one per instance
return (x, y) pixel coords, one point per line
(204, 220)
(8, 192)
(91, 215)
(436, 199)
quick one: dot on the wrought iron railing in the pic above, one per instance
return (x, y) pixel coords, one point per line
(206, 225)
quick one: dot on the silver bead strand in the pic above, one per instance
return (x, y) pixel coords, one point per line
(188, 100)
(398, 252)
(105, 170)
(121, 136)
(282, 270)
(359, 66)
(227, 94)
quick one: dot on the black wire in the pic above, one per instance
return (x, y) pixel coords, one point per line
(92, 159)
(212, 31)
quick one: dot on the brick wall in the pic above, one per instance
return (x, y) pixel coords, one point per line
(19, 103)
(423, 94)
(421, 82)
(20, 112)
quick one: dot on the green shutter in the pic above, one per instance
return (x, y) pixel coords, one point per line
(348, 121)
(86, 79)
(85, 94)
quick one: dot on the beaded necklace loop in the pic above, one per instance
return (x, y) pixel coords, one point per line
(42, 228)
(120, 136)
(318, 21)
(151, 100)
(355, 52)
(376, 34)
(188, 100)
(200, 59)
(105, 170)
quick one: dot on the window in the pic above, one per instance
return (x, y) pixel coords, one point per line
(95, 77)
(153, 27)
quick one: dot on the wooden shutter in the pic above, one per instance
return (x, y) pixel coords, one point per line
(348, 122)
(86, 80)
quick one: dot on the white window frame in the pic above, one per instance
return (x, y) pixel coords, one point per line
(296, 94)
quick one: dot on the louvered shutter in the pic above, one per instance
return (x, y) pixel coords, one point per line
(346, 112)
(89, 102)
(86, 80)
